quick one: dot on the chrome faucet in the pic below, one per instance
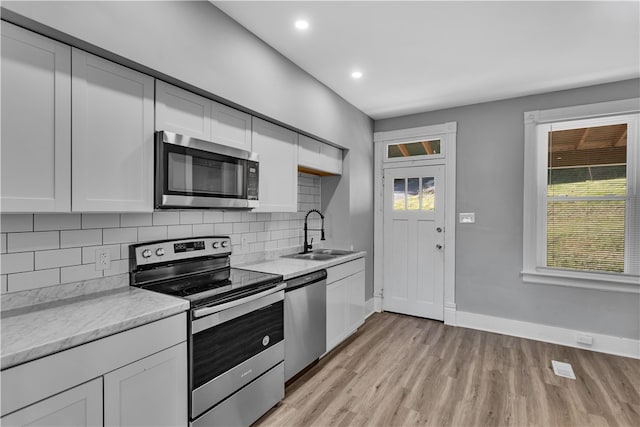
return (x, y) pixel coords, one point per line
(307, 245)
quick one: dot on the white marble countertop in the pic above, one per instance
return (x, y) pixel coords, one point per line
(33, 332)
(293, 267)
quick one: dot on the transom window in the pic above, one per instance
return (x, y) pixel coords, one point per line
(405, 150)
(582, 210)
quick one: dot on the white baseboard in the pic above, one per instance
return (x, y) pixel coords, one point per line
(601, 343)
(368, 308)
(450, 314)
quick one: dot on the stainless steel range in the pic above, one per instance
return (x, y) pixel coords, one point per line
(236, 328)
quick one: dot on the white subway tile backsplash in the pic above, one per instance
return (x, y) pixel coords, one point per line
(16, 263)
(119, 235)
(166, 218)
(3, 243)
(124, 251)
(263, 216)
(11, 223)
(223, 229)
(157, 232)
(263, 236)
(191, 217)
(203, 229)
(136, 219)
(241, 227)
(179, 231)
(117, 267)
(256, 226)
(96, 220)
(249, 216)
(77, 273)
(270, 244)
(89, 253)
(232, 216)
(79, 238)
(256, 247)
(212, 216)
(58, 258)
(3, 284)
(62, 221)
(33, 280)
(34, 241)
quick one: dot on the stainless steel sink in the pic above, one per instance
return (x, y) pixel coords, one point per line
(312, 256)
(336, 252)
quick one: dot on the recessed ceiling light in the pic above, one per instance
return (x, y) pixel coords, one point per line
(356, 74)
(301, 24)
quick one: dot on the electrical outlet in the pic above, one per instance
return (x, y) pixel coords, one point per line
(103, 259)
(584, 339)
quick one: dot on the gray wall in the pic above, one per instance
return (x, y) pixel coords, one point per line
(490, 144)
(195, 45)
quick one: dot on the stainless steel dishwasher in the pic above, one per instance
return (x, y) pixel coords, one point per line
(305, 321)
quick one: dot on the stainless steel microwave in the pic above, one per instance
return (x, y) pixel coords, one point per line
(194, 173)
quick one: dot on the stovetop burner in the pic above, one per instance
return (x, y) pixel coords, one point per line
(200, 273)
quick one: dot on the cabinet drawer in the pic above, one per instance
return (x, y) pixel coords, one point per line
(343, 270)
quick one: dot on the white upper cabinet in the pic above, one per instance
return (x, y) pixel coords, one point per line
(36, 122)
(183, 112)
(186, 113)
(278, 151)
(230, 127)
(319, 157)
(112, 131)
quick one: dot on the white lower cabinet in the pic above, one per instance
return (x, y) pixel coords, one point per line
(134, 378)
(79, 406)
(149, 392)
(345, 301)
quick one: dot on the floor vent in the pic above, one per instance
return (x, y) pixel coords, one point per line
(562, 369)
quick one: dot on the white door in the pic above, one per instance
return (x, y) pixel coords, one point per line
(413, 241)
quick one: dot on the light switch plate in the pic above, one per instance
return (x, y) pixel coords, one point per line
(467, 218)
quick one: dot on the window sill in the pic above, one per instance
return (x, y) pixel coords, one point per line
(578, 279)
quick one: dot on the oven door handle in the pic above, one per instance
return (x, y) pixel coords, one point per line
(227, 305)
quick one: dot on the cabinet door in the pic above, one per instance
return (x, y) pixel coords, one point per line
(331, 159)
(36, 122)
(183, 112)
(79, 406)
(278, 151)
(308, 152)
(150, 392)
(112, 129)
(319, 156)
(355, 301)
(230, 127)
(336, 313)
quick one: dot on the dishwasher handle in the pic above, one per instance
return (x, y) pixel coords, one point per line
(306, 280)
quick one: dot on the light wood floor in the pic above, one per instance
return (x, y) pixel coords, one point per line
(404, 371)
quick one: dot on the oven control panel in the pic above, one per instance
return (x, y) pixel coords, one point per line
(163, 251)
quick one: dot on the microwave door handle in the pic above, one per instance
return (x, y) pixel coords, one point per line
(227, 305)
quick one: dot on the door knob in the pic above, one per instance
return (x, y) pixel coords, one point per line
(438, 246)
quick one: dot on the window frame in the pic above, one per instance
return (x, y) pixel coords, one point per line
(536, 125)
(440, 155)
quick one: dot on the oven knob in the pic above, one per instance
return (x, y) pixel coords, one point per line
(146, 253)
(160, 251)
(225, 243)
(216, 245)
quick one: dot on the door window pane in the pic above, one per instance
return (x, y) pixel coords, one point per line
(412, 149)
(428, 193)
(413, 194)
(399, 197)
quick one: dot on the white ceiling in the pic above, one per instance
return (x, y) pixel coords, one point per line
(420, 56)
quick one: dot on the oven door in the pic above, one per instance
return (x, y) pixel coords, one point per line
(233, 347)
(195, 173)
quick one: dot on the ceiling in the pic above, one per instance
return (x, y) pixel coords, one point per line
(421, 56)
